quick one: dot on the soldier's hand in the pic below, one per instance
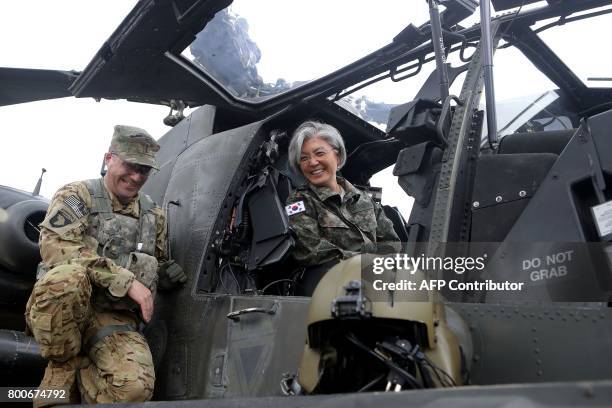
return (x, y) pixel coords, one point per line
(171, 275)
(140, 294)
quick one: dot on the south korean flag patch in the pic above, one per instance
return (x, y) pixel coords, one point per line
(295, 208)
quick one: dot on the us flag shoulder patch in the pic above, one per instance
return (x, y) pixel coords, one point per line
(295, 208)
(77, 205)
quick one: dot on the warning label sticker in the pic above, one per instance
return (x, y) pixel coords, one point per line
(603, 218)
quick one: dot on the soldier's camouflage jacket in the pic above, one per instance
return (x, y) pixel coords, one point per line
(65, 239)
(329, 227)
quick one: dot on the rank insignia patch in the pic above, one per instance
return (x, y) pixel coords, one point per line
(76, 204)
(295, 208)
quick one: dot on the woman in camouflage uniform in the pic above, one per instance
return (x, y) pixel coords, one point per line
(331, 218)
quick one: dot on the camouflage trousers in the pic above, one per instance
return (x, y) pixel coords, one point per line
(117, 368)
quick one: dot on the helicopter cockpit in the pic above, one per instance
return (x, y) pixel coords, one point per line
(531, 190)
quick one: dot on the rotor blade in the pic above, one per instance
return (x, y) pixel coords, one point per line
(19, 85)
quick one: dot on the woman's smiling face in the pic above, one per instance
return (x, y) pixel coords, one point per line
(319, 162)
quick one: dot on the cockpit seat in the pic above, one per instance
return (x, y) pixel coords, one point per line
(503, 185)
(265, 201)
(550, 141)
(506, 181)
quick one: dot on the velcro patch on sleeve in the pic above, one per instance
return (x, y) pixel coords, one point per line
(77, 205)
(61, 219)
(295, 208)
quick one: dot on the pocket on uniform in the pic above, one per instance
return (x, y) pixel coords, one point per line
(329, 220)
(361, 206)
(144, 267)
(117, 358)
(364, 216)
(42, 326)
(42, 321)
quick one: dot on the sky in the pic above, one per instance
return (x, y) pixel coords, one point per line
(68, 136)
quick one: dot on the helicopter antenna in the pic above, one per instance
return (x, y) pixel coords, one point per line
(487, 47)
(39, 183)
(438, 44)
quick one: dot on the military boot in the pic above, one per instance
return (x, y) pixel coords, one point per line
(58, 386)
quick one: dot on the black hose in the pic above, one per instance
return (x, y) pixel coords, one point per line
(392, 366)
(371, 383)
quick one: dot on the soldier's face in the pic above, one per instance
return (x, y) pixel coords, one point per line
(123, 180)
(319, 162)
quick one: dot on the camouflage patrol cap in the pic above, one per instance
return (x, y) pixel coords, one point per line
(134, 145)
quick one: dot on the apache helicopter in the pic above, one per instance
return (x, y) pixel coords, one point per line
(527, 187)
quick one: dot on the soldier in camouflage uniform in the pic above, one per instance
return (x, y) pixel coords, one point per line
(103, 246)
(330, 217)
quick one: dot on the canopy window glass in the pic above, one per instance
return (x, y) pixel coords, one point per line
(582, 45)
(259, 49)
